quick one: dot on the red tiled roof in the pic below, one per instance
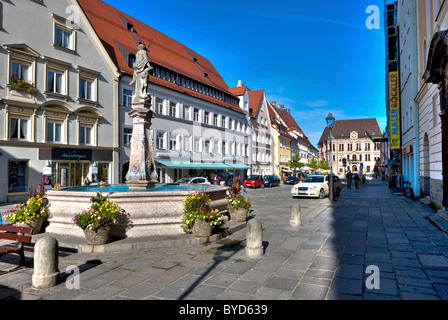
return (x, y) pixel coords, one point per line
(238, 91)
(110, 24)
(255, 100)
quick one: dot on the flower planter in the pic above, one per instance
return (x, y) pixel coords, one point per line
(238, 214)
(201, 228)
(98, 237)
(36, 224)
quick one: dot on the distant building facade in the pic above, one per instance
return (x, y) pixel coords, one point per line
(350, 144)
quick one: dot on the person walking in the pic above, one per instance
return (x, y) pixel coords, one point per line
(356, 181)
(349, 179)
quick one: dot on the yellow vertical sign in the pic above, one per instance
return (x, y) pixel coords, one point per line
(394, 111)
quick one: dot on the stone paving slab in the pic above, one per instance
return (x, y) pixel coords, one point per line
(325, 258)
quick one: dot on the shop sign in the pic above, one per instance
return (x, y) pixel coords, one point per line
(72, 154)
(394, 111)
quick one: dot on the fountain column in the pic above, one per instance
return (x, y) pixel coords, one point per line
(142, 169)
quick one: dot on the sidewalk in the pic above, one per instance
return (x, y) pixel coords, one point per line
(325, 258)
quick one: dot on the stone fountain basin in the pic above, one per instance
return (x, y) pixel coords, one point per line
(145, 213)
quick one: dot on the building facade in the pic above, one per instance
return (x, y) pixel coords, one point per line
(408, 60)
(199, 127)
(351, 148)
(432, 17)
(57, 110)
(254, 103)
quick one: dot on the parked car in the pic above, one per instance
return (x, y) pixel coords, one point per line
(195, 180)
(271, 181)
(292, 180)
(254, 181)
(316, 185)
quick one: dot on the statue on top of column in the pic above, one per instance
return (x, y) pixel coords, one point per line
(142, 68)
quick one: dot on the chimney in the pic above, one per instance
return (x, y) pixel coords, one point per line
(289, 111)
(239, 83)
(282, 106)
(274, 103)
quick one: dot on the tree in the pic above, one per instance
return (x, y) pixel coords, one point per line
(313, 163)
(295, 162)
(323, 164)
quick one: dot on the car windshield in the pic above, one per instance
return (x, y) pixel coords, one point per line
(268, 177)
(314, 179)
(252, 177)
(291, 178)
(183, 180)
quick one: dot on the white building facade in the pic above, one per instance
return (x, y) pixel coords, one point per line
(57, 109)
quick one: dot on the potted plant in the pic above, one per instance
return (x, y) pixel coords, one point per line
(30, 213)
(239, 208)
(96, 221)
(198, 218)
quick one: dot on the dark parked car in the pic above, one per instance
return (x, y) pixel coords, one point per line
(254, 181)
(292, 180)
(271, 181)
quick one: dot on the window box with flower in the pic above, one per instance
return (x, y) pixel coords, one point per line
(21, 84)
(96, 221)
(198, 218)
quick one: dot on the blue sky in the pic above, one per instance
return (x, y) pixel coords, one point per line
(314, 57)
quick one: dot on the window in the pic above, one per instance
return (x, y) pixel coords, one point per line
(215, 146)
(207, 117)
(173, 109)
(367, 146)
(18, 176)
(55, 82)
(207, 145)
(174, 138)
(187, 143)
(224, 122)
(127, 136)
(54, 131)
(127, 98)
(159, 106)
(64, 38)
(197, 144)
(187, 113)
(18, 128)
(160, 140)
(215, 120)
(85, 135)
(86, 89)
(131, 60)
(196, 115)
(20, 70)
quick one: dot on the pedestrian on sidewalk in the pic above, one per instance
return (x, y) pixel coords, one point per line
(356, 181)
(349, 179)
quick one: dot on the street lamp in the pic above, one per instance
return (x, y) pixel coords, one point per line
(330, 122)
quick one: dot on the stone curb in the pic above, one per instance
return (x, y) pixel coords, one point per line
(135, 244)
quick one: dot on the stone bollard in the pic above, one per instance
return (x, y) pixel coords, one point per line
(295, 215)
(46, 272)
(254, 239)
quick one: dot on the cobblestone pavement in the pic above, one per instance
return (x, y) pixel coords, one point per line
(327, 258)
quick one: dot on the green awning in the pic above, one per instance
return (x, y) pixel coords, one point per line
(238, 166)
(214, 166)
(192, 165)
(179, 164)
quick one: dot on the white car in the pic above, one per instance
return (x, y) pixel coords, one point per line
(316, 185)
(195, 180)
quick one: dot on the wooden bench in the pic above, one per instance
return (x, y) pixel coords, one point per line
(21, 235)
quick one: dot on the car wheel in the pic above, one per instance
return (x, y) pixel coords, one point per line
(338, 192)
(321, 194)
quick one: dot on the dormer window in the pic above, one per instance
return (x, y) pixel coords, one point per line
(131, 27)
(131, 60)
